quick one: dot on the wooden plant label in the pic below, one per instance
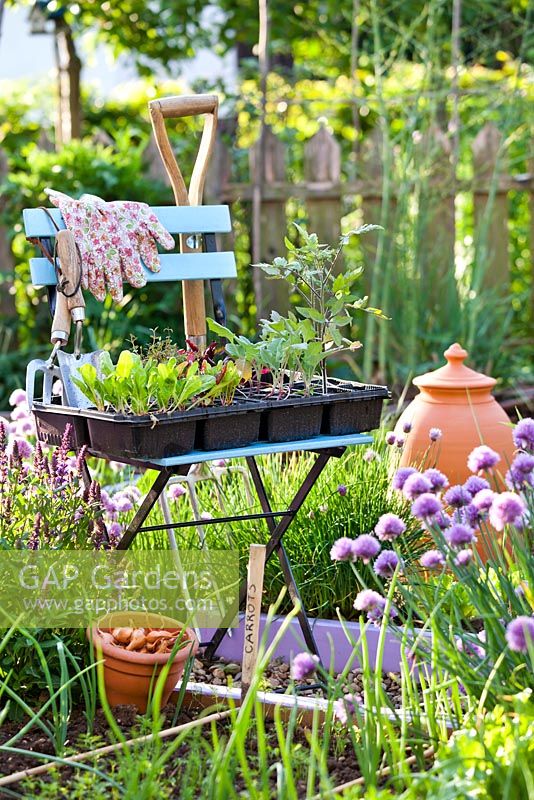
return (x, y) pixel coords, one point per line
(256, 566)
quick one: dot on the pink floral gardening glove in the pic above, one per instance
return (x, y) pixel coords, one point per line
(112, 237)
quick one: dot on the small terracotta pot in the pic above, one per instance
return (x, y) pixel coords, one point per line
(458, 401)
(129, 676)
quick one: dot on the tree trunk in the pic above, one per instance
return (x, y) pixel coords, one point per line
(69, 109)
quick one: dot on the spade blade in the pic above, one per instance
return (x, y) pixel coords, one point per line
(69, 364)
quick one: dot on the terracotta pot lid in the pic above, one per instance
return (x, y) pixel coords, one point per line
(455, 375)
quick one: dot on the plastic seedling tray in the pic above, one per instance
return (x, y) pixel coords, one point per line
(352, 408)
(224, 427)
(51, 421)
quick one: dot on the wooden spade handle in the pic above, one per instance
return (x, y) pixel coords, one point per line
(61, 322)
(176, 108)
(69, 261)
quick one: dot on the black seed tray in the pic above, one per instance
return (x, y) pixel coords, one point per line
(51, 421)
(352, 408)
(224, 427)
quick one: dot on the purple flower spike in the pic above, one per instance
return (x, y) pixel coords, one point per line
(437, 479)
(389, 527)
(507, 509)
(303, 666)
(342, 550)
(346, 707)
(520, 633)
(391, 438)
(463, 558)
(426, 505)
(415, 485)
(524, 434)
(386, 564)
(435, 434)
(341, 490)
(365, 547)
(482, 458)
(432, 559)
(474, 485)
(459, 535)
(457, 497)
(400, 477)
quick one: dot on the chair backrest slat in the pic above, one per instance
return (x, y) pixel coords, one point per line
(174, 267)
(176, 219)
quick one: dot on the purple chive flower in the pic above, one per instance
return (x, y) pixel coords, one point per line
(440, 520)
(521, 471)
(407, 427)
(426, 505)
(415, 485)
(391, 438)
(520, 633)
(463, 558)
(365, 547)
(482, 458)
(474, 484)
(221, 462)
(115, 532)
(432, 559)
(507, 509)
(434, 434)
(346, 707)
(122, 503)
(370, 455)
(389, 527)
(303, 666)
(17, 397)
(457, 497)
(473, 515)
(341, 490)
(483, 499)
(400, 442)
(386, 563)
(342, 550)
(400, 477)
(458, 535)
(437, 479)
(470, 648)
(524, 434)
(369, 600)
(176, 491)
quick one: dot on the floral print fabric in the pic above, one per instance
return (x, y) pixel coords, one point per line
(113, 238)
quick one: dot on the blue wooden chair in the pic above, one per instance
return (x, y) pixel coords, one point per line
(199, 260)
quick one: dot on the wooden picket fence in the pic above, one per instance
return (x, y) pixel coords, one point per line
(327, 198)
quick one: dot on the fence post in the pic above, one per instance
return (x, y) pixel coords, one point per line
(271, 294)
(371, 173)
(322, 171)
(491, 209)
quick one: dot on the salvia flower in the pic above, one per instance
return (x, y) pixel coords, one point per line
(345, 708)
(520, 633)
(386, 563)
(303, 666)
(426, 505)
(389, 527)
(122, 502)
(459, 535)
(341, 490)
(365, 547)
(507, 509)
(432, 559)
(23, 447)
(399, 479)
(482, 458)
(415, 485)
(524, 434)
(475, 484)
(463, 558)
(342, 549)
(457, 497)
(437, 479)
(434, 434)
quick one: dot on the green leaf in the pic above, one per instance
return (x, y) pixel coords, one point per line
(311, 313)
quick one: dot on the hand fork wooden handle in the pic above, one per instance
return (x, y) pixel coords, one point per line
(176, 108)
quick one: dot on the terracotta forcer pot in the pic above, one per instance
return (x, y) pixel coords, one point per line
(458, 401)
(130, 676)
